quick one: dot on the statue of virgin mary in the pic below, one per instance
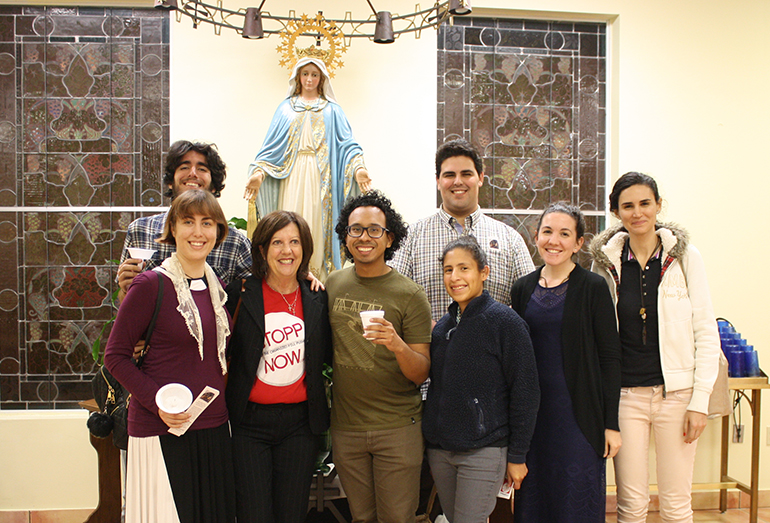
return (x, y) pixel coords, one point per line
(309, 162)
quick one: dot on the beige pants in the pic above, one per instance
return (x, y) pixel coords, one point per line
(644, 410)
(380, 472)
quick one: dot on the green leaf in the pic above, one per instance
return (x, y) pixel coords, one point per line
(96, 348)
(238, 223)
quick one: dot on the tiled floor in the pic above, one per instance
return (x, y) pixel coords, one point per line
(78, 516)
(710, 516)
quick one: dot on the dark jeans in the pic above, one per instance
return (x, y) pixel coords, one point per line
(274, 453)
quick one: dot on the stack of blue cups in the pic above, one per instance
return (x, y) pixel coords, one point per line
(742, 358)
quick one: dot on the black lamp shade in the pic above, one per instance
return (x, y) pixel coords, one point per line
(166, 4)
(460, 7)
(252, 24)
(383, 31)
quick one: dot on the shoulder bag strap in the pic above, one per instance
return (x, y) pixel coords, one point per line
(235, 318)
(151, 327)
(238, 306)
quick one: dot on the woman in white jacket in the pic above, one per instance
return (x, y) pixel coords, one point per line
(670, 347)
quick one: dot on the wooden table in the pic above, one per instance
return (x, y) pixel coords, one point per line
(108, 509)
(741, 386)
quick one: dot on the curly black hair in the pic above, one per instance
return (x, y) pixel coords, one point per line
(393, 220)
(213, 160)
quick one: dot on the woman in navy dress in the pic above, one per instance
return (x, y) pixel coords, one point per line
(572, 324)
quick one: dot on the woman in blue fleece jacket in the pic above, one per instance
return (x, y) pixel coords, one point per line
(483, 396)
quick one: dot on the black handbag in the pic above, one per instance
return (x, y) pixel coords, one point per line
(112, 417)
(112, 398)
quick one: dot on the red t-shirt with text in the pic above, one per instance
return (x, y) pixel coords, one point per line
(281, 372)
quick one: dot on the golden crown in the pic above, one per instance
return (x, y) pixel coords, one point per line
(319, 28)
(312, 52)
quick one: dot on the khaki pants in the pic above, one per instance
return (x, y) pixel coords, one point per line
(643, 409)
(380, 472)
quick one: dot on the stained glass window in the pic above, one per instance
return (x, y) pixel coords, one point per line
(83, 124)
(530, 95)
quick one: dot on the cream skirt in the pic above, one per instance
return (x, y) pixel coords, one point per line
(148, 491)
(186, 479)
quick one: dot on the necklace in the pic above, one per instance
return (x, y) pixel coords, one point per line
(643, 308)
(293, 305)
(545, 282)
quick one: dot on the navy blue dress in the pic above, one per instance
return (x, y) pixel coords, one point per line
(566, 480)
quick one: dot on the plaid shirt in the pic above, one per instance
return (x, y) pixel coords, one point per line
(230, 260)
(418, 257)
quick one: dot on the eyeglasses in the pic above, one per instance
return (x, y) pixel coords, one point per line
(374, 231)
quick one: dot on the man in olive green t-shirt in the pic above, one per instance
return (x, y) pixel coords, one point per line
(377, 409)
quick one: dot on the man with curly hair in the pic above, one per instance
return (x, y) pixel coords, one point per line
(189, 165)
(377, 409)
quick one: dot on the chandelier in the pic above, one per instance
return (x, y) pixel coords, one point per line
(253, 22)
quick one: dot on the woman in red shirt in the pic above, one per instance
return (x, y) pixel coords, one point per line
(276, 393)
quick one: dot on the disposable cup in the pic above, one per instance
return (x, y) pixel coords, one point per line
(366, 317)
(173, 398)
(141, 254)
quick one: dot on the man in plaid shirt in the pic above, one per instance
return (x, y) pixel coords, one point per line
(459, 175)
(188, 166)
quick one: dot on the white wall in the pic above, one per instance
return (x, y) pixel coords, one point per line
(687, 105)
(387, 91)
(47, 461)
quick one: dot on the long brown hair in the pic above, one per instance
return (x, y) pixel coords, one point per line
(321, 81)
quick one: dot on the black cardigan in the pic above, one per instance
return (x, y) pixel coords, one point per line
(590, 349)
(247, 342)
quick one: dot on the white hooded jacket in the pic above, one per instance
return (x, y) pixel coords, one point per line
(687, 328)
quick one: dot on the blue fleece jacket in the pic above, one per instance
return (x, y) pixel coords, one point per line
(484, 388)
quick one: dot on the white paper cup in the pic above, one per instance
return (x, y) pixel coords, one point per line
(366, 317)
(173, 398)
(141, 254)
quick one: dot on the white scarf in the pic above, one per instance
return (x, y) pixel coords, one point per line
(172, 268)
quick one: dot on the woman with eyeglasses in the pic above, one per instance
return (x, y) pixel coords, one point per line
(483, 396)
